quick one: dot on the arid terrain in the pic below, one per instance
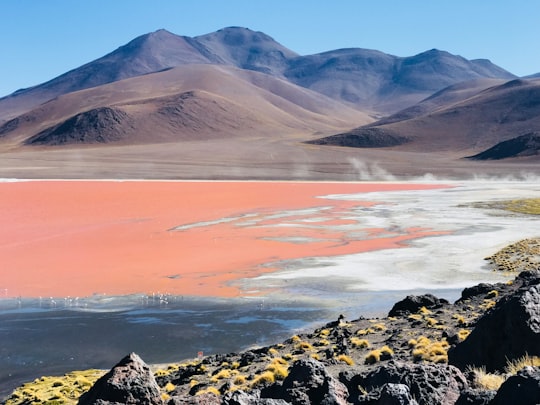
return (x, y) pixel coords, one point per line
(235, 104)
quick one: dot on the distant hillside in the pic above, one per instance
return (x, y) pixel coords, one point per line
(188, 102)
(369, 80)
(521, 146)
(480, 121)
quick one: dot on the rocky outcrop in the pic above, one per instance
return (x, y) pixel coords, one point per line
(509, 331)
(412, 303)
(429, 384)
(523, 388)
(129, 382)
(396, 360)
(309, 382)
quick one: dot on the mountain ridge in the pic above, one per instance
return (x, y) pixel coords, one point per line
(344, 74)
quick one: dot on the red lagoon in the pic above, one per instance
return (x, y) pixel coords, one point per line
(79, 238)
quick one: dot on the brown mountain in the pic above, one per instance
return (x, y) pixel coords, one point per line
(478, 122)
(187, 102)
(367, 79)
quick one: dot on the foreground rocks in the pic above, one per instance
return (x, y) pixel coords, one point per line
(129, 382)
(400, 359)
(427, 351)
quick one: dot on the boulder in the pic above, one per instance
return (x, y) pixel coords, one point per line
(308, 382)
(250, 398)
(128, 382)
(475, 397)
(396, 394)
(412, 303)
(427, 383)
(522, 388)
(509, 331)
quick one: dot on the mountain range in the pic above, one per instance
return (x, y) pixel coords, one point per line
(237, 84)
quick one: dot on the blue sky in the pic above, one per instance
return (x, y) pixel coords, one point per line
(41, 39)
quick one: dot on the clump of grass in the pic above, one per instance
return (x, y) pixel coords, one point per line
(460, 319)
(288, 356)
(363, 332)
(208, 390)
(222, 374)
(487, 304)
(415, 317)
(376, 355)
(324, 332)
(513, 366)
(424, 349)
(62, 390)
(424, 311)
(239, 380)
(295, 339)
(379, 327)
(267, 377)
(463, 334)
(322, 342)
(492, 294)
(373, 357)
(304, 346)
(273, 351)
(279, 370)
(359, 343)
(346, 359)
(315, 356)
(169, 387)
(431, 321)
(486, 381)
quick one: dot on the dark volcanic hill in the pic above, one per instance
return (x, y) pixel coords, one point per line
(367, 79)
(504, 112)
(524, 145)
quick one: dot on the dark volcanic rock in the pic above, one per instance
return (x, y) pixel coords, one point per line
(129, 382)
(396, 394)
(524, 145)
(412, 303)
(479, 289)
(100, 125)
(523, 388)
(429, 384)
(309, 382)
(509, 331)
(363, 138)
(251, 398)
(475, 397)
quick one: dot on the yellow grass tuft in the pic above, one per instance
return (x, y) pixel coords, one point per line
(267, 377)
(513, 366)
(373, 357)
(208, 390)
(239, 380)
(463, 334)
(359, 343)
(424, 311)
(346, 359)
(486, 380)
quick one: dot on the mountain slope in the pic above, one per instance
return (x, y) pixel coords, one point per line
(145, 54)
(368, 79)
(247, 49)
(187, 102)
(386, 83)
(491, 116)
